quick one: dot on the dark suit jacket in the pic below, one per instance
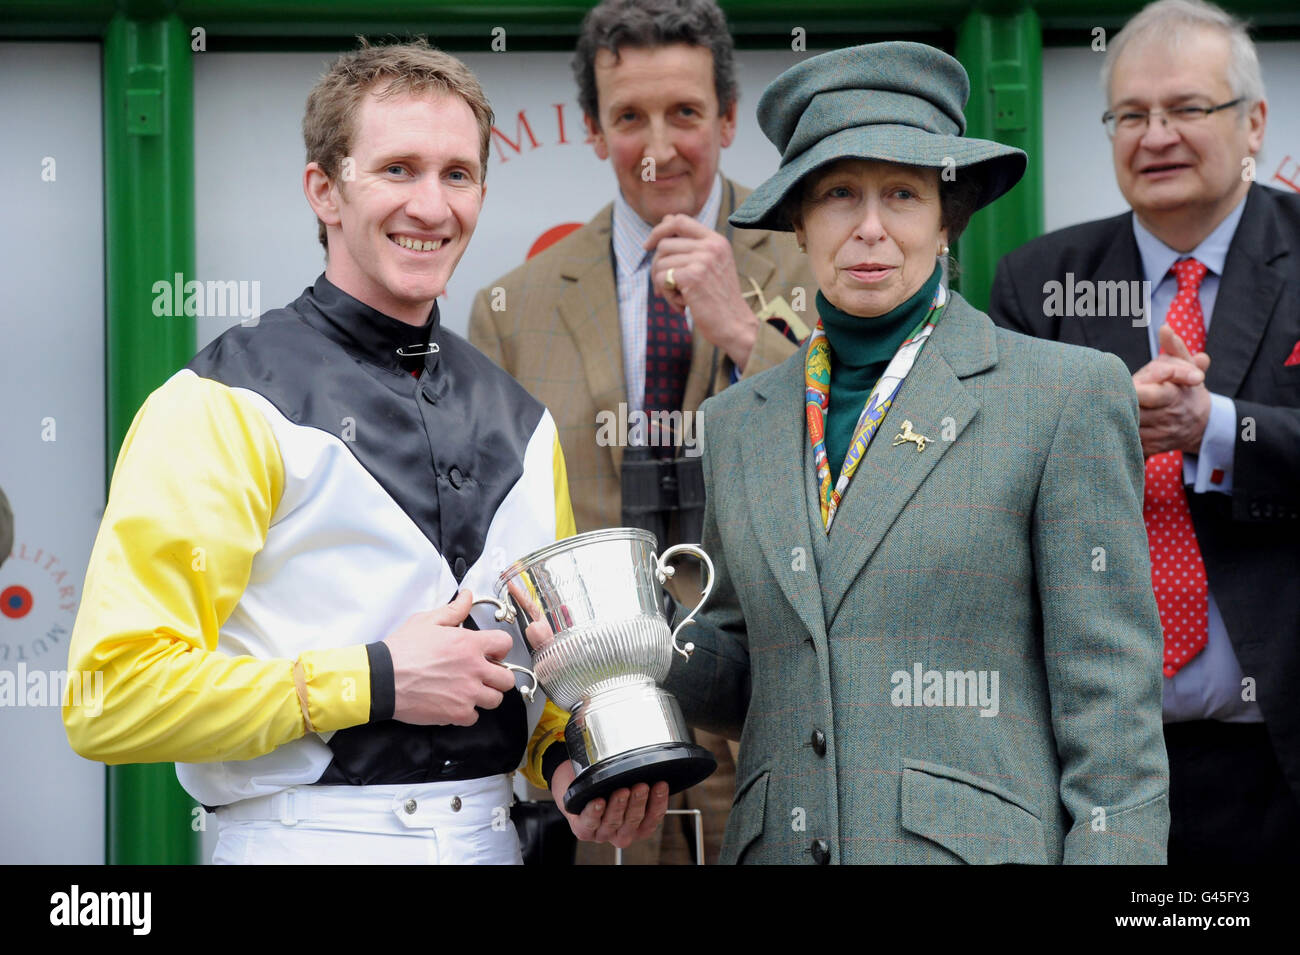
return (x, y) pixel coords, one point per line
(1250, 541)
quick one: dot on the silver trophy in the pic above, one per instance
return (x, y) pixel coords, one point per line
(589, 608)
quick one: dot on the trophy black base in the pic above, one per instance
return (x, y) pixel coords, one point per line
(680, 765)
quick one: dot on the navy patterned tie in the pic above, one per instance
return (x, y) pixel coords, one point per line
(667, 365)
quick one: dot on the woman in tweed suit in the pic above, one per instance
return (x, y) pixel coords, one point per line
(933, 629)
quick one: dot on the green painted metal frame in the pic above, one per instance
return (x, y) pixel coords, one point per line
(149, 177)
(559, 18)
(149, 231)
(1004, 57)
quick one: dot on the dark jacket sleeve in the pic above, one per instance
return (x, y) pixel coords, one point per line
(713, 686)
(1004, 305)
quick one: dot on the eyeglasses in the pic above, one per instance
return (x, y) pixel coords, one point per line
(1135, 120)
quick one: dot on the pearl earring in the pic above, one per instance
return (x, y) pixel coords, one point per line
(803, 249)
(943, 250)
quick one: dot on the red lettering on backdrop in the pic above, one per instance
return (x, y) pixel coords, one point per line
(521, 127)
(559, 122)
(1294, 181)
(524, 128)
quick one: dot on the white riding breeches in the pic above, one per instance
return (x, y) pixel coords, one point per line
(464, 822)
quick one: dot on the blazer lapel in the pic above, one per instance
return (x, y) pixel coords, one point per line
(1250, 288)
(1118, 334)
(772, 449)
(589, 307)
(963, 344)
(748, 248)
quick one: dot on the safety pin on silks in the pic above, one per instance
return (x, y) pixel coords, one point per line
(431, 348)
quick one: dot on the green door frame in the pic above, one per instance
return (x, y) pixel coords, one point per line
(149, 220)
(149, 235)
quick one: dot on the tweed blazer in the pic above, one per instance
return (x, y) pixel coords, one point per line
(559, 336)
(1011, 548)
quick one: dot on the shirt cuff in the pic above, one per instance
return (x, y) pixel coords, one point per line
(383, 685)
(555, 754)
(1211, 468)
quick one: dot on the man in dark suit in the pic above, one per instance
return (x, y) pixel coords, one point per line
(1198, 290)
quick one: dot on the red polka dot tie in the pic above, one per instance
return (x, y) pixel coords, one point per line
(667, 366)
(1177, 571)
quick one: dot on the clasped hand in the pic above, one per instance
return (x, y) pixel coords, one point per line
(1173, 402)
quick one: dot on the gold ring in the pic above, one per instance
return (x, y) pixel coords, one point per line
(669, 283)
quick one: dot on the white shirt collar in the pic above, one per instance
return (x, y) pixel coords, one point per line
(1212, 252)
(631, 231)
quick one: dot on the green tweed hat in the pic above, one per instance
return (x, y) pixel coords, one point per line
(897, 102)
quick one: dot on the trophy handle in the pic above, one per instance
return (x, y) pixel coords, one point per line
(506, 615)
(664, 572)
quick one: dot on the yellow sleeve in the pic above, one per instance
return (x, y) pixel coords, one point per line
(550, 728)
(196, 483)
(565, 526)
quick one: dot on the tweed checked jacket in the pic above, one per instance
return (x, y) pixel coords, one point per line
(1012, 544)
(559, 336)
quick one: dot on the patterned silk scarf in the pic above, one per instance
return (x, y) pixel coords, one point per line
(817, 382)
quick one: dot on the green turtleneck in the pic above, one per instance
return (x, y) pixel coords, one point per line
(860, 352)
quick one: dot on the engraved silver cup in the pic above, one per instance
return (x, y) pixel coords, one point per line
(589, 608)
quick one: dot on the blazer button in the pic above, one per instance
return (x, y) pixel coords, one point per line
(456, 478)
(821, 851)
(459, 568)
(819, 742)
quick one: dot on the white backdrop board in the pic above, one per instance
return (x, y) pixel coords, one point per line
(52, 440)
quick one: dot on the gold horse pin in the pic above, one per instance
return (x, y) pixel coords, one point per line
(907, 434)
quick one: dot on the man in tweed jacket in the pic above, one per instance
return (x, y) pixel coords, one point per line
(560, 337)
(1011, 546)
(650, 91)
